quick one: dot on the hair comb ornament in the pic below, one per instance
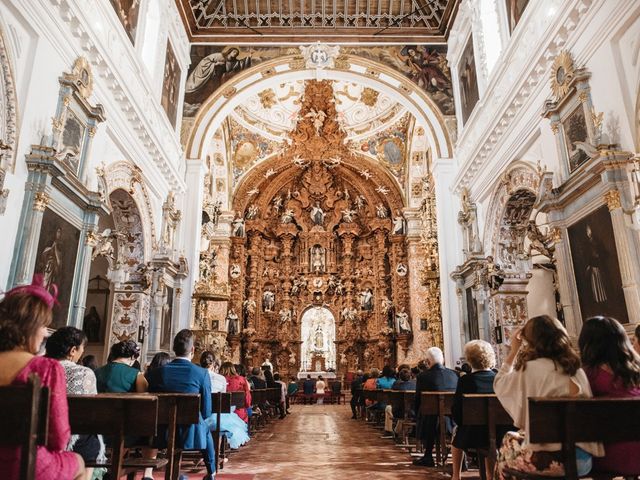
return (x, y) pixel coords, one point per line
(38, 289)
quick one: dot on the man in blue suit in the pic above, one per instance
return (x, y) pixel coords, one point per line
(183, 376)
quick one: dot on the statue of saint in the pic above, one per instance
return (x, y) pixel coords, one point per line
(268, 301)
(317, 214)
(232, 322)
(402, 318)
(366, 299)
(317, 259)
(399, 225)
(318, 342)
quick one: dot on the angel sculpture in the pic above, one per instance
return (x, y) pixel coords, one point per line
(104, 245)
(349, 215)
(285, 315)
(381, 211)
(317, 118)
(287, 216)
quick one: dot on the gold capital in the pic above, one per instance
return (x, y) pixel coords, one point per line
(612, 199)
(40, 201)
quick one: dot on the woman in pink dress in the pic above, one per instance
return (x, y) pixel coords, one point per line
(25, 313)
(613, 370)
(237, 383)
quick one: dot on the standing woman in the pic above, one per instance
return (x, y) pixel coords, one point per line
(25, 313)
(67, 346)
(541, 363)
(613, 369)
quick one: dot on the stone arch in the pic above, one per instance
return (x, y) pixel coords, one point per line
(286, 69)
(8, 110)
(125, 176)
(514, 196)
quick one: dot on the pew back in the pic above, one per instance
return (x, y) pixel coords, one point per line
(25, 421)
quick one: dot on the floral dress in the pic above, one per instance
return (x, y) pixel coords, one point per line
(82, 381)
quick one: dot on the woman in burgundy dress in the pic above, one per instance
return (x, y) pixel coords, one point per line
(613, 369)
(25, 313)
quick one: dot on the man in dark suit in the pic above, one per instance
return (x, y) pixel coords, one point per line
(436, 379)
(183, 376)
(308, 386)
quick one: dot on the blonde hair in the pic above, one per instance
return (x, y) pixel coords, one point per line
(480, 355)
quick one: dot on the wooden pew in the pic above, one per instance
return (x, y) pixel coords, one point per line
(176, 409)
(571, 420)
(24, 421)
(485, 410)
(439, 404)
(116, 416)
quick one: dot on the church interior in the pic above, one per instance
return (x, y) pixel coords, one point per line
(359, 214)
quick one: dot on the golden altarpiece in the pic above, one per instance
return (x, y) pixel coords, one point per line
(318, 226)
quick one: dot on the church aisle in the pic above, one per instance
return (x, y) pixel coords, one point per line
(322, 442)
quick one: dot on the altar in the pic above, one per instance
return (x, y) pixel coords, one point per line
(314, 375)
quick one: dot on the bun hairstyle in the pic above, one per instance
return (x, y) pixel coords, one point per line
(60, 343)
(126, 349)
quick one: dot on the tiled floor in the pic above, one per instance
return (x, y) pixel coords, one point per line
(322, 442)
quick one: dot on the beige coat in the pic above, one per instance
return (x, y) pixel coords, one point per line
(541, 378)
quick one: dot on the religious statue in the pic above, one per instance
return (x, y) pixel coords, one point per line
(277, 204)
(317, 214)
(317, 118)
(317, 259)
(494, 274)
(538, 241)
(285, 315)
(318, 339)
(349, 215)
(298, 284)
(104, 246)
(349, 314)
(238, 227)
(366, 299)
(343, 359)
(292, 359)
(249, 308)
(216, 211)
(232, 322)
(387, 305)
(287, 216)
(381, 211)
(399, 225)
(268, 301)
(252, 212)
(360, 202)
(402, 318)
(339, 289)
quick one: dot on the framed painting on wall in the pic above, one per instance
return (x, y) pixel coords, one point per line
(170, 85)
(468, 81)
(596, 267)
(575, 131)
(472, 315)
(56, 261)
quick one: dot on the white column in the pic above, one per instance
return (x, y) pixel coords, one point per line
(450, 249)
(191, 220)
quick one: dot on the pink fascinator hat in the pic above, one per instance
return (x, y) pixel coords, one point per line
(37, 289)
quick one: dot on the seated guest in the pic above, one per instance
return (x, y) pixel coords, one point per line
(636, 339)
(481, 358)
(308, 386)
(91, 362)
(320, 386)
(613, 370)
(67, 346)
(386, 381)
(160, 359)
(268, 376)
(237, 383)
(436, 378)
(292, 389)
(283, 394)
(118, 376)
(257, 379)
(356, 393)
(209, 362)
(25, 314)
(545, 366)
(371, 384)
(406, 383)
(183, 376)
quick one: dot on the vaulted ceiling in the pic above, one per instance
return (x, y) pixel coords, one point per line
(343, 21)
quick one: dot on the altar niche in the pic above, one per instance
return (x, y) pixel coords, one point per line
(318, 334)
